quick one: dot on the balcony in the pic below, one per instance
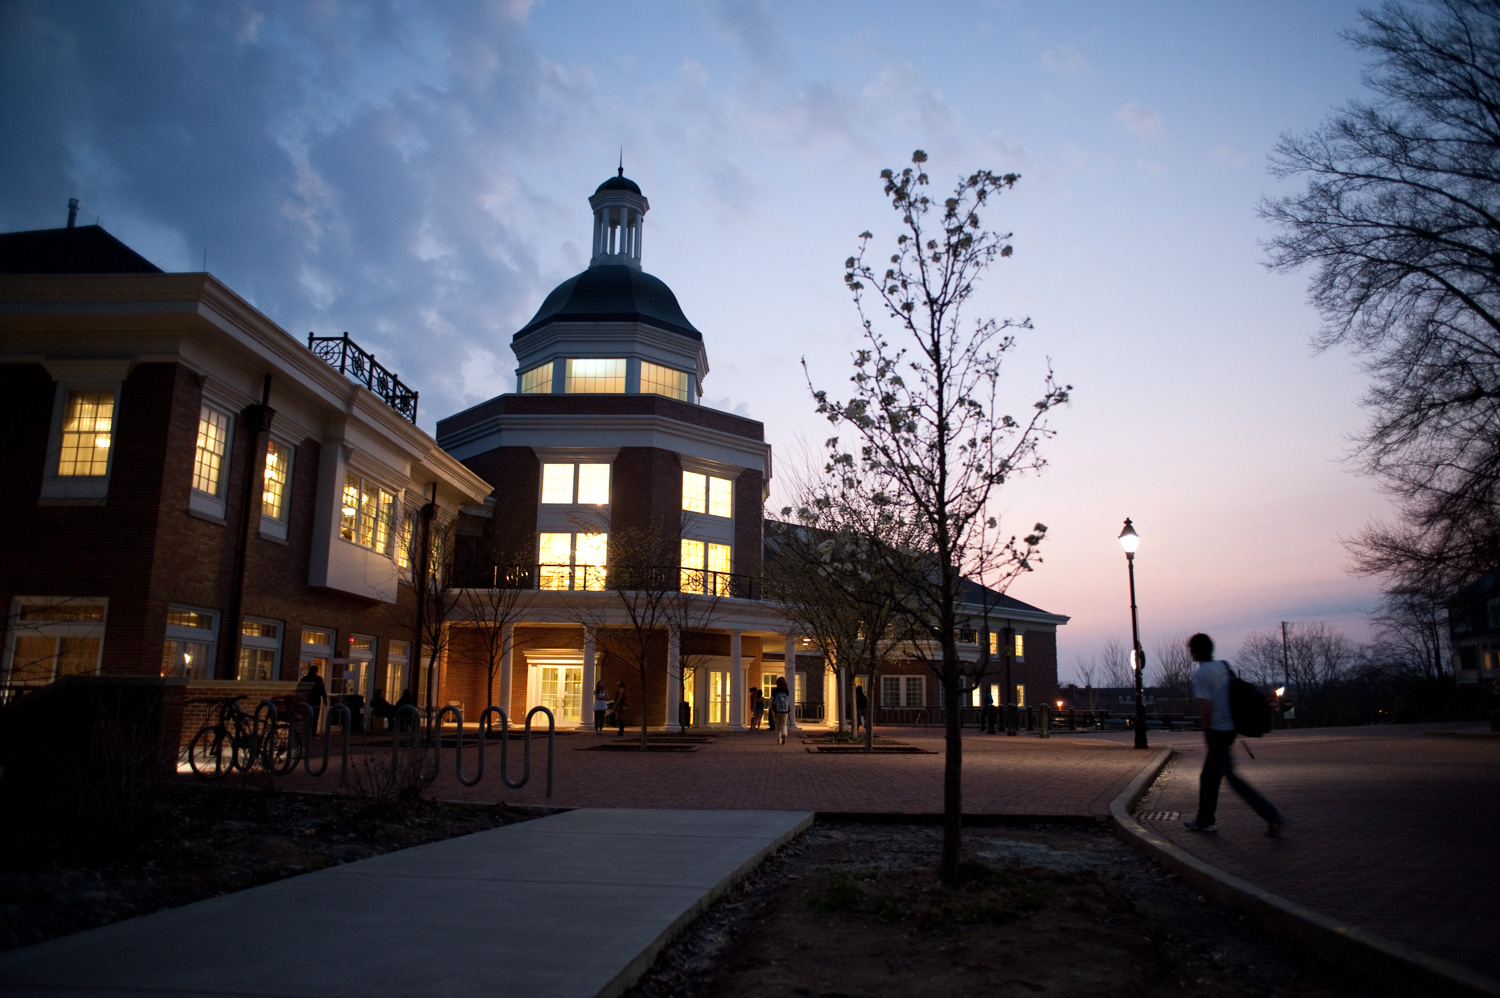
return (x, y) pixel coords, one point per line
(597, 578)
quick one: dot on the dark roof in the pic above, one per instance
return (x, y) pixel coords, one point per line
(87, 249)
(620, 183)
(977, 595)
(613, 292)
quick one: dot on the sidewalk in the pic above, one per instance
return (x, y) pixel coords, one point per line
(1389, 830)
(576, 904)
(1066, 776)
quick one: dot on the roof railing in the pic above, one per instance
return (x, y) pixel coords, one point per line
(346, 356)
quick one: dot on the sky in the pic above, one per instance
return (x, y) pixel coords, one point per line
(417, 174)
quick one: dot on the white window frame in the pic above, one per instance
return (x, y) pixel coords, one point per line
(570, 378)
(588, 581)
(576, 484)
(397, 668)
(212, 504)
(177, 635)
(314, 653)
(392, 525)
(361, 662)
(58, 630)
(60, 489)
(275, 527)
(908, 688)
(259, 643)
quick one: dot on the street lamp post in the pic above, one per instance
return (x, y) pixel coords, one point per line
(1130, 540)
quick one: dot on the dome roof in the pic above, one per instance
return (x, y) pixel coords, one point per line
(613, 293)
(620, 183)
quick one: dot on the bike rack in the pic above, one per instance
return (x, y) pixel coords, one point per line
(484, 727)
(304, 710)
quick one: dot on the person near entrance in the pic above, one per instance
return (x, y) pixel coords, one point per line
(1211, 688)
(861, 709)
(314, 692)
(620, 708)
(601, 704)
(757, 707)
(781, 709)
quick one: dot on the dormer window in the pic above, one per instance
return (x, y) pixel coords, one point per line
(659, 380)
(595, 375)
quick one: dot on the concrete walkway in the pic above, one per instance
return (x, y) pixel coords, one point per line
(573, 904)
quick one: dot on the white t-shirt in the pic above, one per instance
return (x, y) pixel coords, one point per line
(1211, 683)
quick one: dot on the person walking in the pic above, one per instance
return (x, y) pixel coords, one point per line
(620, 708)
(781, 709)
(1211, 689)
(312, 689)
(601, 704)
(757, 707)
(861, 709)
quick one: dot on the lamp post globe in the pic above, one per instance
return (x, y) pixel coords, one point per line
(1130, 540)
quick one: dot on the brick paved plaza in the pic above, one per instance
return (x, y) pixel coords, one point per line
(1388, 828)
(1025, 775)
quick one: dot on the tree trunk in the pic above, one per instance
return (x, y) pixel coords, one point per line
(953, 813)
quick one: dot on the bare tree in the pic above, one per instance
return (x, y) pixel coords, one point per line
(1088, 671)
(643, 596)
(426, 540)
(1401, 221)
(1412, 631)
(498, 593)
(1174, 665)
(933, 444)
(1114, 664)
(1318, 662)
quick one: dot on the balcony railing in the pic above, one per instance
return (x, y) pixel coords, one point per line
(597, 578)
(346, 356)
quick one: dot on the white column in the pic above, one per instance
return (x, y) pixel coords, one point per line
(789, 670)
(640, 228)
(507, 659)
(736, 683)
(587, 718)
(674, 679)
(700, 697)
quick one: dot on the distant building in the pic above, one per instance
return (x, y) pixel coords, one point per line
(1474, 629)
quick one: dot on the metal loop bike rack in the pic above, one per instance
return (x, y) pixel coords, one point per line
(484, 727)
(304, 710)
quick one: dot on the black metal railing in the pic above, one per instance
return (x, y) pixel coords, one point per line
(346, 356)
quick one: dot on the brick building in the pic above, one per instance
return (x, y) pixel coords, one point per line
(191, 492)
(195, 494)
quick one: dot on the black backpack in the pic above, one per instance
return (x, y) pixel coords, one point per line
(1248, 707)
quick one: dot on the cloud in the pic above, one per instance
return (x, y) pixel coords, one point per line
(752, 27)
(1225, 154)
(1142, 122)
(1065, 60)
(915, 106)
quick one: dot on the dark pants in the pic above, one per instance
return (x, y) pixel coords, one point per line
(620, 719)
(1220, 766)
(598, 720)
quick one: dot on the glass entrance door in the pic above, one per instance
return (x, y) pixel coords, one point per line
(718, 697)
(562, 692)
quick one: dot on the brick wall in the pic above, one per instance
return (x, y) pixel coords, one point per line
(646, 504)
(749, 522)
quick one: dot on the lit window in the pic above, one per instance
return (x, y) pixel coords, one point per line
(403, 543)
(278, 474)
(592, 482)
(50, 637)
(658, 380)
(694, 492)
(596, 376)
(397, 658)
(1020, 647)
(87, 432)
(707, 494)
(317, 649)
(260, 650)
(1020, 695)
(572, 561)
(705, 567)
(719, 501)
(916, 691)
(213, 446)
(357, 671)
(188, 651)
(538, 380)
(367, 514)
(994, 642)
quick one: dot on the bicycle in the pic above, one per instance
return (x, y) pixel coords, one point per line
(237, 740)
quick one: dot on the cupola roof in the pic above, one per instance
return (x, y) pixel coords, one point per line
(613, 293)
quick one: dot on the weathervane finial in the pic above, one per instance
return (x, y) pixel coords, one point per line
(622, 161)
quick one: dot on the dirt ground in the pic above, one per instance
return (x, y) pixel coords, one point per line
(199, 841)
(855, 911)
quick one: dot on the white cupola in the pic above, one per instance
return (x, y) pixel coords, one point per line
(619, 214)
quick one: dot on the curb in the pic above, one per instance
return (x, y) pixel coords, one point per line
(634, 970)
(1376, 959)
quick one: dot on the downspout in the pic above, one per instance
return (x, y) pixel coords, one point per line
(258, 419)
(420, 585)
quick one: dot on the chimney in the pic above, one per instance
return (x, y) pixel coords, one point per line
(72, 212)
